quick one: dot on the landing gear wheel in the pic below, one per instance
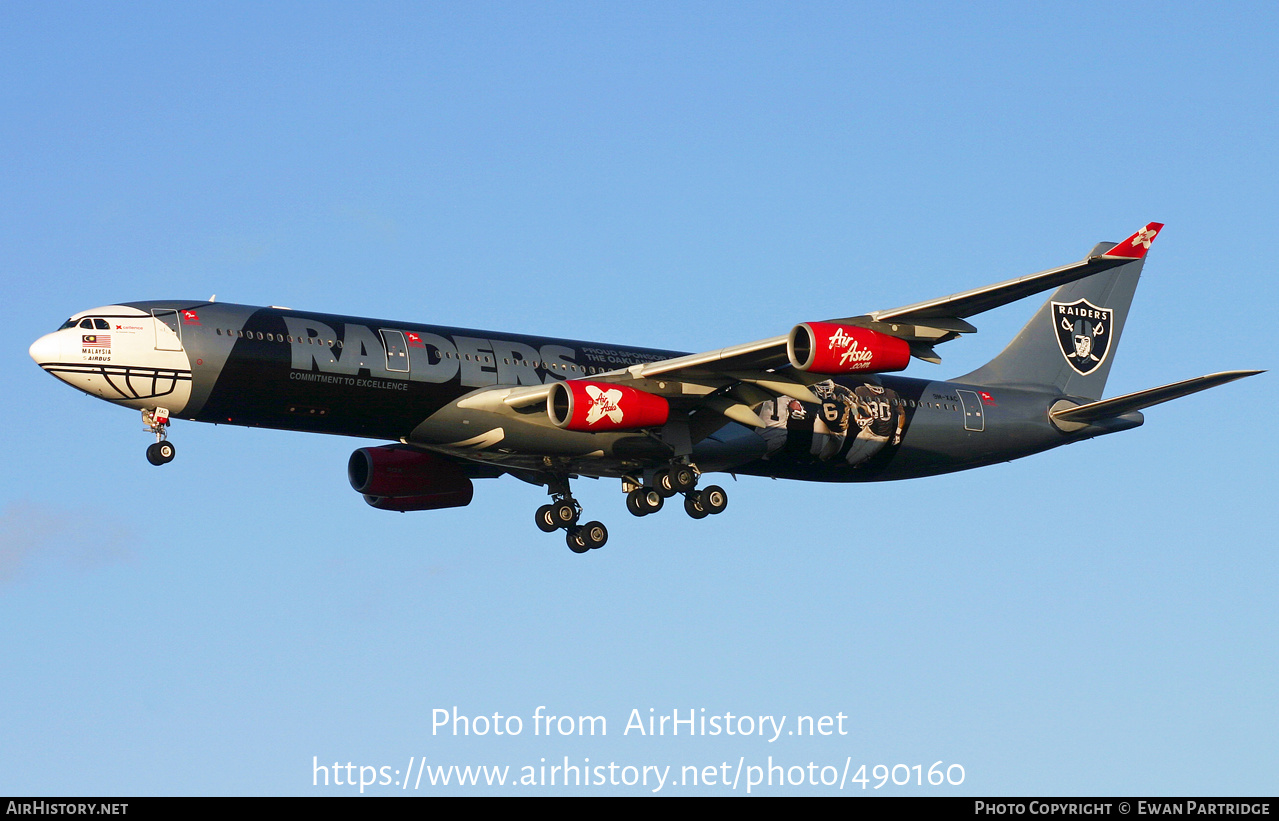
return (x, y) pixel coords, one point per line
(635, 502)
(713, 499)
(564, 513)
(683, 478)
(694, 508)
(644, 500)
(545, 518)
(575, 541)
(593, 535)
(663, 484)
(161, 453)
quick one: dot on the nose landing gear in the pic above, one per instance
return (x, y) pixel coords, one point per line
(163, 451)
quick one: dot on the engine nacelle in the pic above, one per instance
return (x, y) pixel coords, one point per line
(394, 477)
(831, 348)
(595, 406)
(404, 504)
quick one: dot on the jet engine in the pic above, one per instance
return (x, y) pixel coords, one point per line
(395, 477)
(596, 406)
(831, 348)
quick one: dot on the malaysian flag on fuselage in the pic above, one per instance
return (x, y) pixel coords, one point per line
(95, 340)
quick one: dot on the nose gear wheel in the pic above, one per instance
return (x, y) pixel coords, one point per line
(163, 451)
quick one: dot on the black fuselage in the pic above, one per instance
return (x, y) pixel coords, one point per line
(398, 381)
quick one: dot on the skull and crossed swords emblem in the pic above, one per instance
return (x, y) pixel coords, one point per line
(1083, 332)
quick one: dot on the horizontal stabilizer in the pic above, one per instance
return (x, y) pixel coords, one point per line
(1111, 408)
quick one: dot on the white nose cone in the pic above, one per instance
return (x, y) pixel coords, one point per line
(46, 349)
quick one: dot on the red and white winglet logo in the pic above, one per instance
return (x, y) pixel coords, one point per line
(1144, 237)
(1136, 246)
(603, 403)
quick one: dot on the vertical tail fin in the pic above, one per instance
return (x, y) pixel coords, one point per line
(1070, 343)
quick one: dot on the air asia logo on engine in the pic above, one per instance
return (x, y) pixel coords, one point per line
(1083, 332)
(603, 403)
(850, 355)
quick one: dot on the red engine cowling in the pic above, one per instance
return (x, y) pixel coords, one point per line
(393, 477)
(828, 347)
(595, 406)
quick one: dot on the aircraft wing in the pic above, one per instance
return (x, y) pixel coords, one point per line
(734, 380)
(968, 303)
(934, 321)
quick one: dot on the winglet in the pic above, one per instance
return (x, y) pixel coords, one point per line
(1136, 246)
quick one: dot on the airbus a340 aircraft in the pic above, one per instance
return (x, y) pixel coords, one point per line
(461, 405)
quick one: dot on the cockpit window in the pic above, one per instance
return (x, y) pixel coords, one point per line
(89, 323)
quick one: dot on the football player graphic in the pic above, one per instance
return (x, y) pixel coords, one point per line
(835, 412)
(880, 418)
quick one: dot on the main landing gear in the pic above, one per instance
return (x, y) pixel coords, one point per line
(162, 452)
(564, 512)
(641, 500)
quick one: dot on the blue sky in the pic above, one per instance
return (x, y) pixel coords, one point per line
(1096, 620)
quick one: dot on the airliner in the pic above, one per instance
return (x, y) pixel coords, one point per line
(821, 402)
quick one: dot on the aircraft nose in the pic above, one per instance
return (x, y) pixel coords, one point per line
(46, 349)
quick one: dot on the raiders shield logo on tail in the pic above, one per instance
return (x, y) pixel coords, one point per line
(1083, 331)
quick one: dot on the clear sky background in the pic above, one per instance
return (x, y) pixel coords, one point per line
(1100, 619)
